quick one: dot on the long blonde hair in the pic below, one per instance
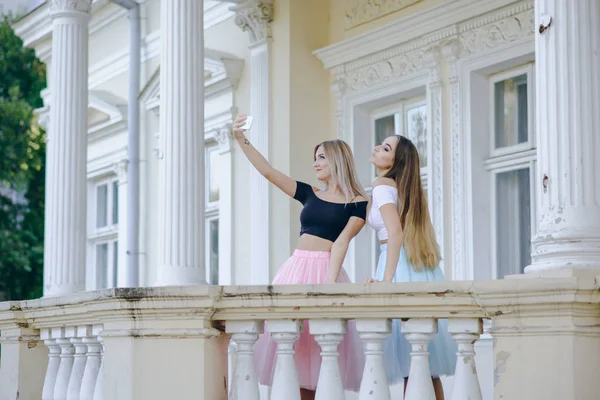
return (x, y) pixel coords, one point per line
(343, 170)
(420, 244)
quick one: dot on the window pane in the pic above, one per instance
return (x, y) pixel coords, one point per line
(513, 222)
(101, 206)
(214, 251)
(510, 113)
(115, 203)
(101, 265)
(416, 130)
(213, 178)
(384, 127)
(115, 265)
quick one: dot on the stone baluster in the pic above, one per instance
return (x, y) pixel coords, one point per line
(53, 364)
(285, 381)
(92, 367)
(465, 333)
(419, 332)
(66, 362)
(329, 334)
(79, 360)
(99, 389)
(374, 384)
(244, 385)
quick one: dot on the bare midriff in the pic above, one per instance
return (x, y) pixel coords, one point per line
(383, 241)
(313, 243)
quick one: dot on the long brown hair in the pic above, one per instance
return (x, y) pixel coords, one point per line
(420, 244)
(343, 170)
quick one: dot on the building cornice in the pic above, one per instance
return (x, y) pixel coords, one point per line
(415, 31)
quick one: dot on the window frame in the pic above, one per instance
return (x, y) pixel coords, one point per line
(527, 70)
(108, 234)
(510, 158)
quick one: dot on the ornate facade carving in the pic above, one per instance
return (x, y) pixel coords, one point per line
(120, 169)
(223, 136)
(491, 32)
(255, 17)
(433, 52)
(84, 6)
(361, 11)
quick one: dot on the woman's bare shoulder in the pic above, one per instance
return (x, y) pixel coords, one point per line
(384, 182)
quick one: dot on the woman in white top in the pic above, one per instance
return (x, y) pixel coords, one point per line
(409, 251)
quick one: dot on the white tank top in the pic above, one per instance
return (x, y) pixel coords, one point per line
(382, 194)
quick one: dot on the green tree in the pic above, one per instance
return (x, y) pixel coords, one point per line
(22, 174)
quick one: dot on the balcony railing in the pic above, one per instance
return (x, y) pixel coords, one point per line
(172, 343)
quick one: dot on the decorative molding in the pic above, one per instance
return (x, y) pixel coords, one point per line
(421, 30)
(255, 17)
(60, 6)
(362, 11)
(491, 32)
(223, 137)
(120, 169)
(435, 100)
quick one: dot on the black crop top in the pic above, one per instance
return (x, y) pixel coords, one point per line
(323, 218)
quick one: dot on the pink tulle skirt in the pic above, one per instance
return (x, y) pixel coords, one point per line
(310, 267)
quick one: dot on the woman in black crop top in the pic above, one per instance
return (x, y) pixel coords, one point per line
(330, 218)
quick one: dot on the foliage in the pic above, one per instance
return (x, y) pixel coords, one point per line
(22, 173)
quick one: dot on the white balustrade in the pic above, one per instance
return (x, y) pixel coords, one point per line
(92, 366)
(244, 385)
(285, 380)
(374, 384)
(329, 334)
(53, 364)
(419, 332)
(79, 360)
(66, 364)
(465, 333)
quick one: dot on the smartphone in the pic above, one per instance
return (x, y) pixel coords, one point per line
(248, 123)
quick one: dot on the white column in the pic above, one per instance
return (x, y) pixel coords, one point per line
(80, 361)
(66, 163)
(374, 384)
(53, 364)
(419, 332)
(329, 333)
(66, 364)
(285, 377)
(244, 384)
(92, 367)
(465, 333)
(182, 124)
(254, 17)
(123, 279)
(568, 134)
(226, 233)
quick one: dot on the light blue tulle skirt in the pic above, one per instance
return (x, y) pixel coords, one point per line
(396, 350)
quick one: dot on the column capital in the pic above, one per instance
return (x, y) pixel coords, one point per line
(255, 17)
(120, 169)
(223, 136)
(60, 8)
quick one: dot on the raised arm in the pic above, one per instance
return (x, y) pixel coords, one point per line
(279, 179)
